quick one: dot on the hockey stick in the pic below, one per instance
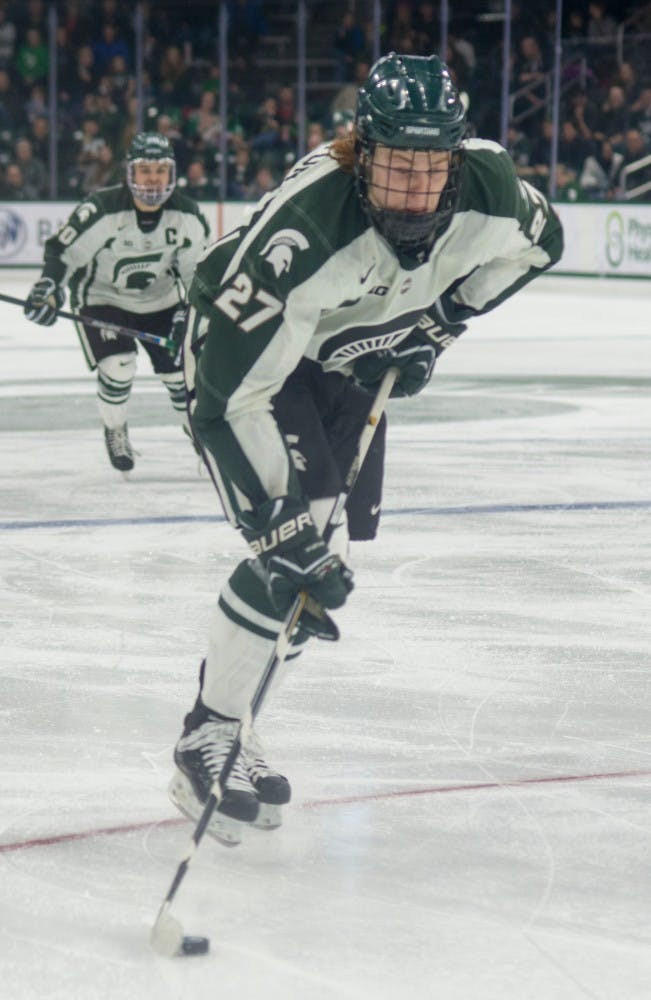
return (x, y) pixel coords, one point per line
(167, 937)
(124, 331)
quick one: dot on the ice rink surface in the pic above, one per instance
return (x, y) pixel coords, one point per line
(471, 764)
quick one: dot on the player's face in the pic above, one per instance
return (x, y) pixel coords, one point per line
(152, 174)
(408, 180)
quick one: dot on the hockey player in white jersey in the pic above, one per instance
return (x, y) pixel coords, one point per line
(375, 252)
(128, 254)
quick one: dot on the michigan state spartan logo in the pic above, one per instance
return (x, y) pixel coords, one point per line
(279, 250)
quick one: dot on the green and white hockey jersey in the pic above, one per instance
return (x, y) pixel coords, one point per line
(106, 259)
(310, 277)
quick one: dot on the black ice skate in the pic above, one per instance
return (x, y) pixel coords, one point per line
(119, 448)
(199, 756)
(272, 789)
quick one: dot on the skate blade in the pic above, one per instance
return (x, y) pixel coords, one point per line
(224, 829)
(269, 817)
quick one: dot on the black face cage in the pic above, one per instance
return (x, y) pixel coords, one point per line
(408, 232)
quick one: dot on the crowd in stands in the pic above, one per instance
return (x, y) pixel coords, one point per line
(605, 113)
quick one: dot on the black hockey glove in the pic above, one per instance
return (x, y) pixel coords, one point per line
(283, 536)
(413, 359)
(443, 323)
(177, 333)
(44, 301)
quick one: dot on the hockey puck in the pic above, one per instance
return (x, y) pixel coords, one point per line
(195, 946)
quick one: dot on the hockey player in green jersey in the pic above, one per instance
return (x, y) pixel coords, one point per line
(128, 254)
(374, 252)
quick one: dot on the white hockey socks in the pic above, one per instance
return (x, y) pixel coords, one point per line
(115, 376)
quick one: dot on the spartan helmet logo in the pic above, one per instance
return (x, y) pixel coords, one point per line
(279, 251)
(85, 210)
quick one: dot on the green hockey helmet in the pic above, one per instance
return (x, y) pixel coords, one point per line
(150, 147)
(409, 103)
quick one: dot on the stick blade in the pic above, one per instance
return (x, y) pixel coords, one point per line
(167, 936)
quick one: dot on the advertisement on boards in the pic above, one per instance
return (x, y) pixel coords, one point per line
(611, 240)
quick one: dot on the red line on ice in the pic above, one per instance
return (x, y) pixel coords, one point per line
(64, 838)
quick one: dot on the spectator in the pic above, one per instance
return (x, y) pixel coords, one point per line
(174, 80)
(34, 172)
(427, 29)
(530, 70)
(263, 182)
(32, 16)
(7, 38)
(108, 45)
(204, 121)
(641, 113)
(36, 105)
(573, 149)
(165, 125)
(118, 81)
(627, 80)
(76, 22)
(315, 136)
(401, 31)
(108, 116)
(541, 148)
(11, 102)
(519, 147)
(32, 58)
(130, 126)
(461, 61)
(600, 174)
(103, 172)
(347, 46)
(575, 34)
(601, 27)
(584, 115)
(614, 116)
(601, 40)
(567, 184)
(240, 176)
(286, 106)
(89, 143)
(246, 23)
(13, 188)
(635, 149)
(198, 185)
(39, 136)
(83, 78)
(346, 98)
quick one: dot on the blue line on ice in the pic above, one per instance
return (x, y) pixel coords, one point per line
(500, 508)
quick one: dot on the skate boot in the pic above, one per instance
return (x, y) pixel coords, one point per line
(199, 755)
(272, 789)
(119, 448)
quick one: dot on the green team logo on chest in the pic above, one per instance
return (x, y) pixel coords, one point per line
(137, 272)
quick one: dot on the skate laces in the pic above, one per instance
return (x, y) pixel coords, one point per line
(118, 438)
(214, 740)
(254, 761)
